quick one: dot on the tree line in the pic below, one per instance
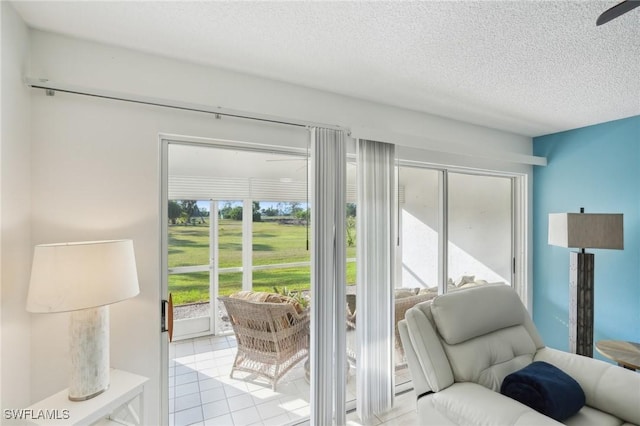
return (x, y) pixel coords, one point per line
(188, 212)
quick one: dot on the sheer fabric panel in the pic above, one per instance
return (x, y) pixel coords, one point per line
(328, 276)
(374, 288)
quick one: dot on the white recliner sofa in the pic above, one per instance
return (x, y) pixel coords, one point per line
(460, 346)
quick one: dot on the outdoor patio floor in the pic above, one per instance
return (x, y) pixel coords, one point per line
(202, 393)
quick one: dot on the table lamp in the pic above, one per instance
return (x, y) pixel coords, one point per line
(584, 230)
(84, 278)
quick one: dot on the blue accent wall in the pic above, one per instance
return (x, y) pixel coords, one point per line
(598, 168)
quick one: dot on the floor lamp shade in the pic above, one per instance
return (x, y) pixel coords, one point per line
(586, 230)
(582, 230)
(84, 278)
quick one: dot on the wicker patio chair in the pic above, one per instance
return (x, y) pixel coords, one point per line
(401, 304)
(272, 337)
(351, 311)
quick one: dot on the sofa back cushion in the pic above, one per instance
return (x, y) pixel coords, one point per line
(465, 314)
(486, 333)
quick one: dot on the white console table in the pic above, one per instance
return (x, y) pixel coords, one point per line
(124, 389)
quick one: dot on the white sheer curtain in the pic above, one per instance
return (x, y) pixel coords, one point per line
(375, 251)
(328, 254)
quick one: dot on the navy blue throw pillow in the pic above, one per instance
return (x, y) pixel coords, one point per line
(546, 389)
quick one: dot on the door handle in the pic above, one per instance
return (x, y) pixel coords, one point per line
(166, 309)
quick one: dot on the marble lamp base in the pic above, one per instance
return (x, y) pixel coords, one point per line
(89, 353)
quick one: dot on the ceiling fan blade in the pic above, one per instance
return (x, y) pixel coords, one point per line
(617, 10)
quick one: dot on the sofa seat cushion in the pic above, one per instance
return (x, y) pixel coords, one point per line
(472, 404)
(546, 389)
(588, 416)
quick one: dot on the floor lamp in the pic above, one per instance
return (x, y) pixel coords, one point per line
(584, 230)
(84, 278)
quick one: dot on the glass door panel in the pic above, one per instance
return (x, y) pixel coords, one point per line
(188, 260)
(417, 254)
(351, 270)
(351, 312)
(227, 262)
(480, 230)
(229, 234)
(418, 222)
(351, 245)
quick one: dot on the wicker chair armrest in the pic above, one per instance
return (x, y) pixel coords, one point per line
(303, 316)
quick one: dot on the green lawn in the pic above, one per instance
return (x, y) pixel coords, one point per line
(273, 243)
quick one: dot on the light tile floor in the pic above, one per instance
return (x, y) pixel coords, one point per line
(202, 393)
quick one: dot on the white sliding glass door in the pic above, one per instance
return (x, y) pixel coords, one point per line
(476, 222)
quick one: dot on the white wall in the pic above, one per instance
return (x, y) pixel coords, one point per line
(99, 66)
(95, 176)
(96, 169)
(15, 212)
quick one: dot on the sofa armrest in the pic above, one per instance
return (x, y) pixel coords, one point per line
(420, 381)
(472, 404)
(607, 387)
(432, 362)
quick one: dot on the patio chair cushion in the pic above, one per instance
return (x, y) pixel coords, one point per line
(263, 296)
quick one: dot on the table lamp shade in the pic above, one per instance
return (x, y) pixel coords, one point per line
(72, 276)
(586, 230)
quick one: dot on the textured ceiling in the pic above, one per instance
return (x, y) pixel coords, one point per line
(529, 67)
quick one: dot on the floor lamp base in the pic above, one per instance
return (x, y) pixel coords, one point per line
(581, 306)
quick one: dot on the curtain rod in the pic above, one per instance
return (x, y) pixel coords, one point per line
(51, 87)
